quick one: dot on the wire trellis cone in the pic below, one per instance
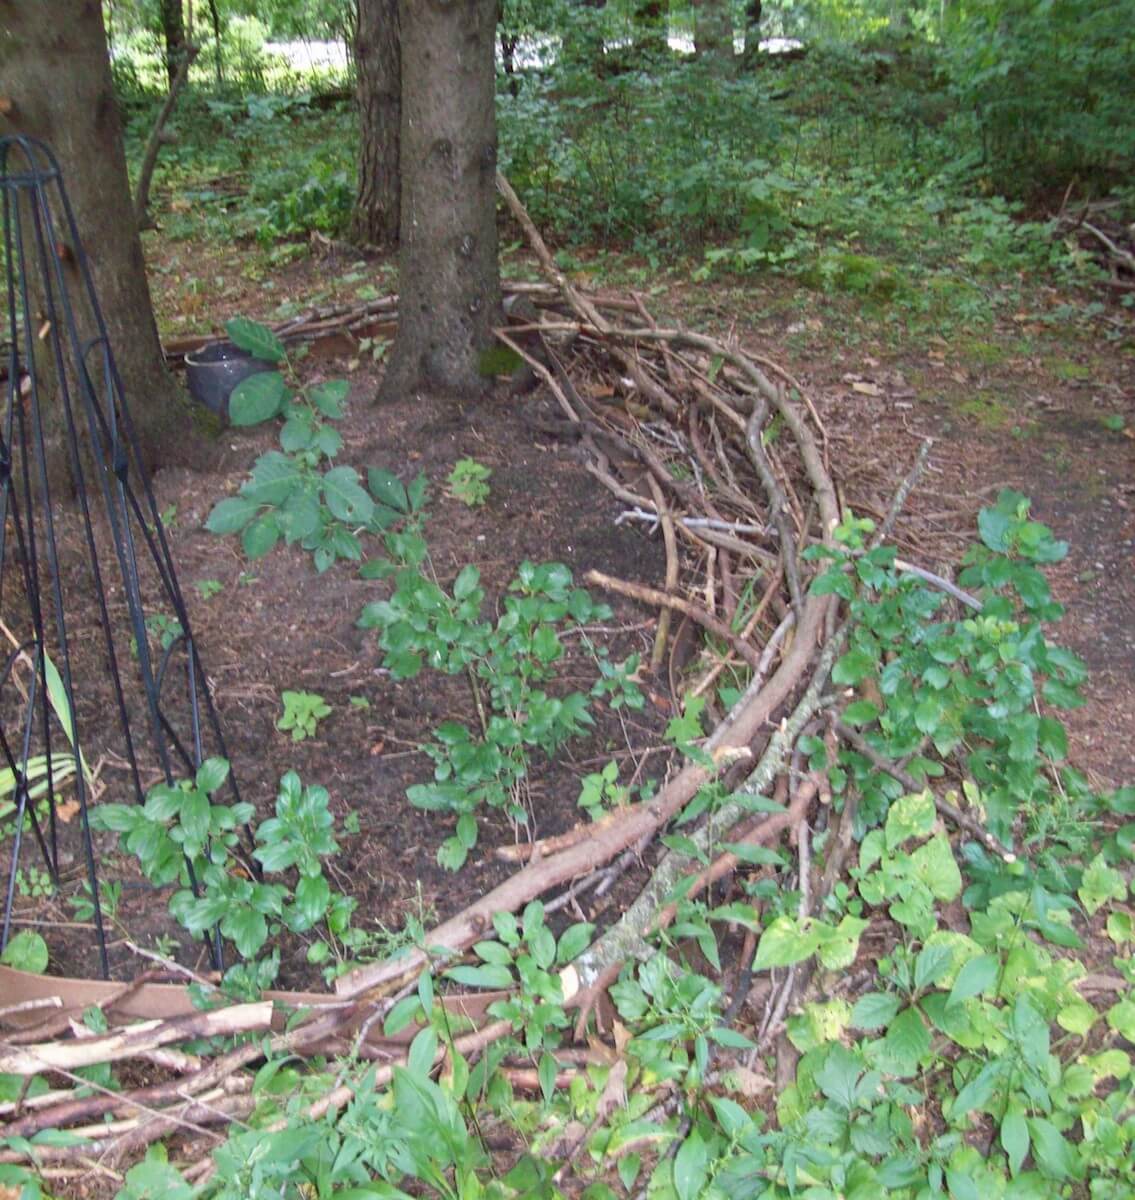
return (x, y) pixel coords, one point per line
(98, 666)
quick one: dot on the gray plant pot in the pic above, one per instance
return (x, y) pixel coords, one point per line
(214, 371)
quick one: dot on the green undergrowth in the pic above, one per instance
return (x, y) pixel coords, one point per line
(969, 1025)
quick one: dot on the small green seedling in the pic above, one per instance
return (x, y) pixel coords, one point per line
(208, 588)
(359, 702)
(302, 713)
(469, 482)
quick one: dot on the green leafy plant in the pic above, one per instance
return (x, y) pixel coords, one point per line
(302, 713)
(27, 951)
(180, 836)
(469, 482)
(506, 664)
(293, 495)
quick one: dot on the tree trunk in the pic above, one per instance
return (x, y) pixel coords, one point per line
(651, 26)
(508, 44)
(449, 276)
(378, 65)
(216, 19)
(753, 13)
(55, 67)
(713, 31)
(173, 33)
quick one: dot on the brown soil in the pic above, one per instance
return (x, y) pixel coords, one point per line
(276, 625)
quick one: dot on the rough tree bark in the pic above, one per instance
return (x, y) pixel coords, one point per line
(449, 276)
(173, 34)
(56, 70)
(378, 64)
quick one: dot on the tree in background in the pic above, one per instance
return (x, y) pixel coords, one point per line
(449, 275)
(56, 71)
(713, 31)
(173, 36)
(753, 13)
(378, 66)
(651, 25)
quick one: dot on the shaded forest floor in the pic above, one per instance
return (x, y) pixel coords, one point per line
(1046, 406)
(1042, 401)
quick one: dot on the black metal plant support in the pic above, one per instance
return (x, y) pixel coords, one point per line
(82, 567)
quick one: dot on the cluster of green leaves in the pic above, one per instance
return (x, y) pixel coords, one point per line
(507, 664)
(291, 494)
(181, 836)
(302, 713)
(968, 688)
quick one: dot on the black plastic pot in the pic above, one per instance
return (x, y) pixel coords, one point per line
(214, 371)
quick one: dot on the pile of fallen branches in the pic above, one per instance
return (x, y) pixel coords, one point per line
(1099, 231)
(721, 450)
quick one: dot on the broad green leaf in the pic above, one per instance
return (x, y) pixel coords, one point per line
(261, 536)
(194, 818)
(852, 667)
(257, 398)
(911, 816)
(935, 865)
(838, 947)
(1100, 884)
(402, 1015)
(1121, 1017)
(246, 929)
(979, 1090)
(231, 515)
(345, 496)
(312, 897)
(274, 478)
(1077, 1017)
(932, 964)
(387, 489)
(573, 941)
(690, 1165)
(328, 397)
(466, 582)
(547, 1072)
(861, 712)
(976, 976)
(27, 951)
(874, 1010)
(255, 339)
(1054, 1154)
(907, 1040)
(211, 774)
(784, 943)
(493, 952)
(491, 976)
(1015, 1137)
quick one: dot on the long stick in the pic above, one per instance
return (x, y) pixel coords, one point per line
(134, 1040)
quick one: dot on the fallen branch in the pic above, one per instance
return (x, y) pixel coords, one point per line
(133, 1041)
(649, 595)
